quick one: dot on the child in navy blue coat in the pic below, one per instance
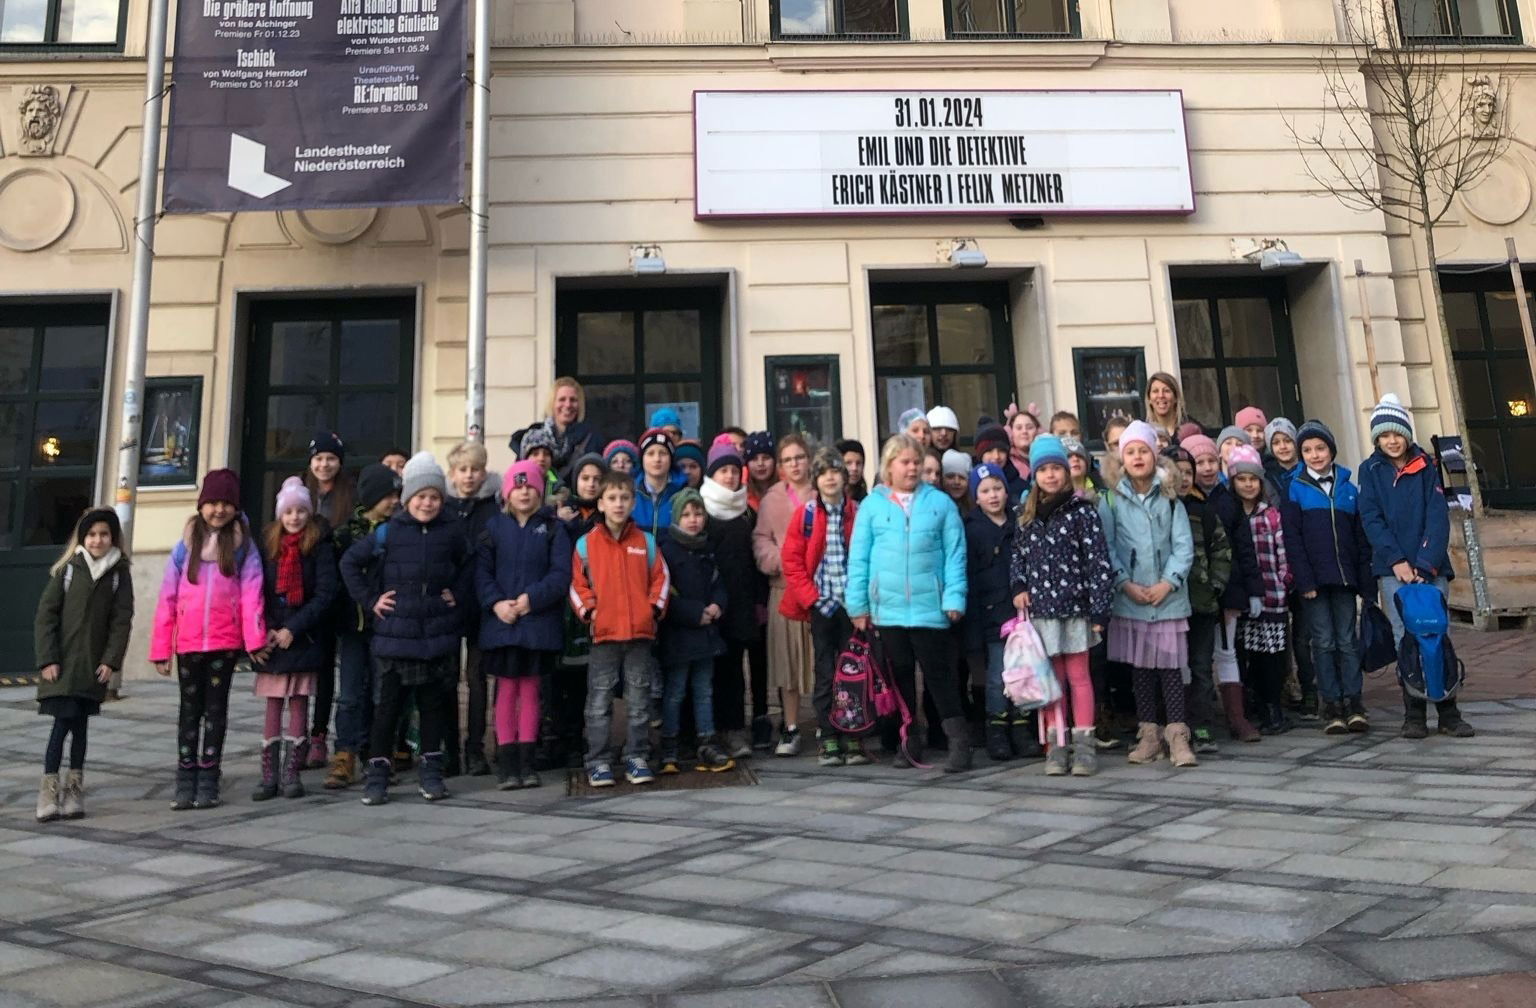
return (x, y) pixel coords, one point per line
(690, 633)
(522, 574)
(989, 534)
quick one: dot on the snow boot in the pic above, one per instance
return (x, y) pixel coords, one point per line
(270, 749)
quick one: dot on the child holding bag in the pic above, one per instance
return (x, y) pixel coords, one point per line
(1262, 637)
(209, 611)
(1060, 574)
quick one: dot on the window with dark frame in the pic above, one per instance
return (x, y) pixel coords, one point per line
(72, 24)
(1012, 19)
(1235, 349)
(1468, 22)
(839, 19)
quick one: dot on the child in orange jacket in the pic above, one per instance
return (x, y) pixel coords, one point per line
(619, 585)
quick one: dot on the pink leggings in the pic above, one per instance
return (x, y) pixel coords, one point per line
(517, 710)
(1077, 686)
(298, 717)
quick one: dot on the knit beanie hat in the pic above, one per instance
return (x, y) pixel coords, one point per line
(527, 472)
(422, 473)
(690, 450)
(1250, 415)
(1198, 445)
(759, 443)
(850, 445)
(1279, 425)
(1136, 430)
(100, 514)
(666, 416)
(943, 416)
(1391, 415)
(1231, 433)
(905, 420)
(721, 454)
(1178, 453)
(327, 441)
(293, 494)
(656, 436)
(1245, 460)
(537, 437)
(590, 458)
(1317, 429)
(1047, 448)
(1074, 446)
(1188, 429)
(621, 447)
(681, 499)
(992, 438)
(956, 463)
(374, 483)
(826, 458)
(220, 485)
(987, 470)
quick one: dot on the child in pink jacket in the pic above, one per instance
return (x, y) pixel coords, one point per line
(210, 610)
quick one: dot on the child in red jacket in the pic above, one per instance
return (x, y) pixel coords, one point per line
(814, 559)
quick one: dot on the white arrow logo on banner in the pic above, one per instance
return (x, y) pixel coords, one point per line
(248, 168)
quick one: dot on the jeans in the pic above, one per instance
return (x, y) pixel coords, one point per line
(1389, 586)
(354, 703)
(1330, 625)
(829, 635)
(699, 675)
(632, 660)
(997, 701)
(1200, 695)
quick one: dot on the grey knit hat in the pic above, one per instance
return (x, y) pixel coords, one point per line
(422, 473)
(1279, 425)
(827, 457)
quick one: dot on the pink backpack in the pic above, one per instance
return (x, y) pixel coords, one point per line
(1029, 680)
(860, 694)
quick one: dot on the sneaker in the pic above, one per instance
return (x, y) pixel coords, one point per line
(600, 776)
(854, 754)
(669, 765)
(1308, 710)
(831, 752)
(1203, 741)
(1333, 719)
(637, 770)
(1356, 720)
(713, 759)
(669, 756)
(737, 745)
(789, 743)
(762, 734)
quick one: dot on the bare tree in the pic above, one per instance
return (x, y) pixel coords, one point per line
(1409, 122)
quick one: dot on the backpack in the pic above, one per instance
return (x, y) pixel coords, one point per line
(860, 694)
(1029, 680)
(1427, 665)
(884, 698)
(1376, 647)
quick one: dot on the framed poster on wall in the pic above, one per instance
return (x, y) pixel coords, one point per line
(802, 396)
(168, 443)
(1110, 380)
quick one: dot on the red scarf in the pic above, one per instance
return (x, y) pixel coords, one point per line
(290, 569)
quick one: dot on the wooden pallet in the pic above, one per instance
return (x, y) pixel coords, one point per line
(1494, 619)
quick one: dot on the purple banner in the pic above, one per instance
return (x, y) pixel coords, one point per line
(304, 104)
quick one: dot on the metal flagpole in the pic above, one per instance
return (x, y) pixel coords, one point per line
(479, 225)
(132, 416)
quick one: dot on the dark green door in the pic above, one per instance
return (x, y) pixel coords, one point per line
(1235, 349)
(333, 364)
(53, 362)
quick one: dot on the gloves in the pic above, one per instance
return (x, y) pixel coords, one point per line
(1255, 606)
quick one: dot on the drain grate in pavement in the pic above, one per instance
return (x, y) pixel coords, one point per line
(576, 785)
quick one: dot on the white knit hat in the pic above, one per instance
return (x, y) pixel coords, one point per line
(955, 462)
(422, 473)
(943, 416)
(293, 494)
(1391, 415)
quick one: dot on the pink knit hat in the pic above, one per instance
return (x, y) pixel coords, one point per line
(1250, 415)
(1139, 430)
(526, 472)
(293, 494)
(1198, 445)
(1244, 460)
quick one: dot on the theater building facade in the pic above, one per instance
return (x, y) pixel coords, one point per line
(791, 213)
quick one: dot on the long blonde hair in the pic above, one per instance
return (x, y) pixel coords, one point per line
(1178, 401)
(894, 446)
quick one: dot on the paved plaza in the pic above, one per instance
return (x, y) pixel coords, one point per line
(1375, 869)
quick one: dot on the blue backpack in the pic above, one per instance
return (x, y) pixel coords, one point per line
(1427, 665)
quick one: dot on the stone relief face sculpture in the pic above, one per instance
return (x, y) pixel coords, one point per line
(1485, 103)
(41, 112)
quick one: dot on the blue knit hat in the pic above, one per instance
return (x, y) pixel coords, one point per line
(666, 416)
(986, 471)
(758, 443)
(1317, 429)
(1390, 415)
(1045, 449)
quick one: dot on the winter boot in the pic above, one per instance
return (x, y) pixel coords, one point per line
(186, 788)
(72, 805)
(1085, 753)
(1451, 722)
(1022, 737)
(1356, 720)
(270, 754)
(48, 798)
(1203, 741)
(1333, 718)
(1237, 723)
(1415, 718)
(207, 795)
(1309, 706)
(429, 777)
(712, 758)
(1179, 752)
(854, 754)
(292, 786)
(1276, 720)
(1058, 759)
(829, 749)
(997, 739)
(529, 777)
(343, 772)
(509, 776)
(1149, 747)
(376, 781)
(1104, 734)
(762, 733)
(474, 761)
(316, 757)
(959, 745)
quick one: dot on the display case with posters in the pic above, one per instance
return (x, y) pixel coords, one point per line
(168, 444)
(1110, 380)
(802, 396)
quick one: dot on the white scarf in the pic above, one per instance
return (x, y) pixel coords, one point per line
(721, 503)
(99, 567)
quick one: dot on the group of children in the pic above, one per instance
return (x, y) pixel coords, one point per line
(686, 579)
